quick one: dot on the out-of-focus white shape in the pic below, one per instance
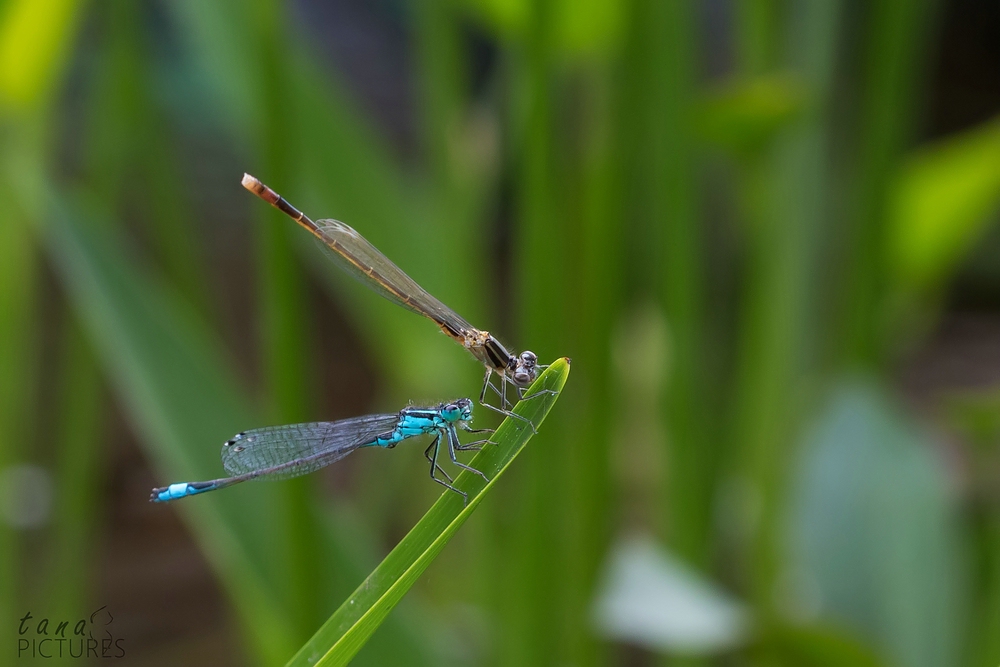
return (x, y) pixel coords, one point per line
(650, 598)
(25, 495)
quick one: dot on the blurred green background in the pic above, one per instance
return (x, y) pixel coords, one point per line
(764, 231)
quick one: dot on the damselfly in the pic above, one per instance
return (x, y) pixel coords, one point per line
(353, 253)
(280, 452)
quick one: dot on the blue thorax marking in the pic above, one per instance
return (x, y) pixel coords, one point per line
(412, 423)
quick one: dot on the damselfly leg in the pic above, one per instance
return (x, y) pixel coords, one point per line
(478, 430)
(489, 386)
(427, 455)
(475, 445)
(505, 404)
(540, 392)
(453, 443)
(436, 448)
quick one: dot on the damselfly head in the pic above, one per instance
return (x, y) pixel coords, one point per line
(460, 410)
(526, 369)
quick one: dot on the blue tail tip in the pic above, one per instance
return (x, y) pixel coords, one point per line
(164, 494)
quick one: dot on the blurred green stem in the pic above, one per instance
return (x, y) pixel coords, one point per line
(758, 24)
(677, 230)
(893, 64)
(286, 338)
(112, 111)
(79, 445)
(595, 202)
(536, 585)
(460, 184)
(18, 336)
(985, 636)
(443, 86)
(128, 134)
(35, 43)
(786, 206)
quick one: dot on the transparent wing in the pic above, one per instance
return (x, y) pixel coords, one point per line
(279, 452)
(353, 253)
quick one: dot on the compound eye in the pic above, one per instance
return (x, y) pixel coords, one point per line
(522, 379)
(528, 358)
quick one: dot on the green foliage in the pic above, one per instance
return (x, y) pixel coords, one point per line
(18, 353)
(814, 646)
(945, 197)
(35, 40)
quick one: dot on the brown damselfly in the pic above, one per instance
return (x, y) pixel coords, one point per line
(353, 253)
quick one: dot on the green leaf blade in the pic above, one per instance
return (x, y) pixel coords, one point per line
(945, 197)
(347, 630)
